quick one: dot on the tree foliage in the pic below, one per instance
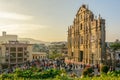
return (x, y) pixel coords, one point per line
(55, 55)
(104, 69)
(87, 71)
(115, 46)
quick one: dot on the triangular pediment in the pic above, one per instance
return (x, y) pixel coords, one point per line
(82, 8)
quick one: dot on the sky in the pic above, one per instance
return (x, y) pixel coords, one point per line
(48, 20)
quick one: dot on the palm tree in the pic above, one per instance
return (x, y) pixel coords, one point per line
(115, 46)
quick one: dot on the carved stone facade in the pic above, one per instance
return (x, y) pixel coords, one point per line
(86, 38)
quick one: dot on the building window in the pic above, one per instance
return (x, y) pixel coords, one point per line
(12, 49)
(20, 55)
(6, 60)
(25, 53)
(12, 55)
(13, 60)
(25, 59)
(7, 48)
(20, 60)
(20, 49)
(119, 55)
(80, 26)
(92, 17)
(81, 56)
(72, 54)
(25, 48)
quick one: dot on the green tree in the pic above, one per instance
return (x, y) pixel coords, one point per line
(55, 55)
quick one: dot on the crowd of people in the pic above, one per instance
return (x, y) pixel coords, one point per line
(45, 64)
(39, 63)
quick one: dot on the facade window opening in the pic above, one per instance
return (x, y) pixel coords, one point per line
(12, 49)
(81, 56)
(119, 55)
(80, 26)
(20, 49)
(6, 60)
(7, 48)
(25, 48)
(72, 54)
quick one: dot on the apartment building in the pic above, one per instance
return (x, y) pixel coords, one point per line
(14, 53)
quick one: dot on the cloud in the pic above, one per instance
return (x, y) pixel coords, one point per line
(21, 27)
(24, 30)
(14, 16)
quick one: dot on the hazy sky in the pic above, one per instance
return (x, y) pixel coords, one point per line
(48, 20)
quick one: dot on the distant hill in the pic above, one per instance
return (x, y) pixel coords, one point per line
(33, 41)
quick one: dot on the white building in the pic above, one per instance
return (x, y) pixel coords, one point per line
(7, 37)
(39, 55)
(14, 53)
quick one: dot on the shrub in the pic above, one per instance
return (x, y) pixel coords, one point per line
(18, 72)
(51, 73)
(87, 72)
(114, 73)
(27, 74)
(104, 69)
(63, 77)
(8, 76)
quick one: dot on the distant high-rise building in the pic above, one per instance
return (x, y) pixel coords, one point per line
(86, 38)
